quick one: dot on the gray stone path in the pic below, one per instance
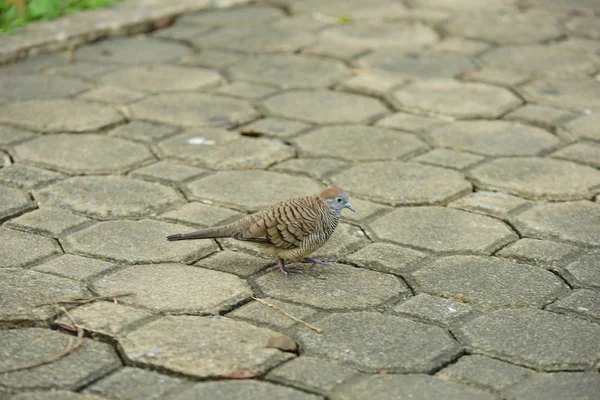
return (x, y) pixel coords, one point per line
(467, 134)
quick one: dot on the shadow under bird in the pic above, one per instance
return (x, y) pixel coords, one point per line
(290, 230)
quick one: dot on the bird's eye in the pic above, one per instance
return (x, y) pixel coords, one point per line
(339, 199)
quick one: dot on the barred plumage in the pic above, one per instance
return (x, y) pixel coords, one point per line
(290, 230)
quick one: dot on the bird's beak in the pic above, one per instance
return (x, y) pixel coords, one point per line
(349, 207)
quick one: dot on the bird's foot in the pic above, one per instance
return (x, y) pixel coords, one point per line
(284, 270)
(315, 261)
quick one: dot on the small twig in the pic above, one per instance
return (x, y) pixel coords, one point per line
(85, 300)
(71, 347)
(281, 310)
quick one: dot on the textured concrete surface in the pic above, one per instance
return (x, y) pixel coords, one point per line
(465, 132)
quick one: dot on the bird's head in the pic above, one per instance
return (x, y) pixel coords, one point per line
(336, 199)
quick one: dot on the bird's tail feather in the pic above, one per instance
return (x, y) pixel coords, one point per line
(207, 233)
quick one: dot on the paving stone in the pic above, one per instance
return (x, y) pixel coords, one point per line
(359, 143)
(41, 87)
(20, 249)
(112, 95)
(410, 122)
(496, 76)
(395, 344)
(104, 318)
(584, 127)
(10, 135)
(221, 149)
(307, 373)
(134, 383)
(59, 115)
(248, 389)
(537, 178)
(50, 221)
(203, 215)
(314, 167)
(371, 83)
(578, 94)
(449, 158)
(542, 252)
(417, 66)
(443, 229)
(260, 314)
(432, 309)
(380, 387)
(134, 50)
(333, 286)
(240, 16)
(53, 395)
(24, 347)
(136, 242)
(89, 153)
(13, 202)
(494, 204)
(485, 372)
(551, 60)
(257, 39)
(386, 257)
(323, 106)
(235, 262)
(193, 109)
(82, 69)
(251, 190)
(355, 8)
(575, 222)
(227, 347)
(382, 36)
(163, 78)
(35, 65)
(182, 31)
(586, 270)
(488, 282)
(276, 127)
(110, 197)
(247, 90)
(461, 46)
(584, 153)
(561, 385)
(533, 338)
(531, 26)
(24, 292)
(462, 6)
(439, 96)
(494, 138)
(403, 183)
(143, 131)
(346, 239)
(584, 26)
(334, 49)
(546, 117)
(299, 22)
(581, 303)
(212, 59)
(168, 172)
(74, 267)
(290, 71)
(583, 6)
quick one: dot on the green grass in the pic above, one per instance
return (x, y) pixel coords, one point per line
(12, 16)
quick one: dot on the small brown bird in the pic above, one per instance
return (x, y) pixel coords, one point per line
(290, 230)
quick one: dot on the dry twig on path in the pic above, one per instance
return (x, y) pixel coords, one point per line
(84, 300)
(281, 310)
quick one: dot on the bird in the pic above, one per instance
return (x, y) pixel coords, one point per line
(290, 230)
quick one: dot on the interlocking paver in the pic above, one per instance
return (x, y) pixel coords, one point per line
(578, 94)
(112, 95)
(449, 158)
(74, 267)
(247, 90)
(20, 249)
(54, 395)
(50, 221)
(202, 214)
(255, 39)
(586, 270)
(13, 202)
(583, 127)
(432, 309)
(319, 168)
(546, 117)
(397, 36)
(258, 15)
(543, 252)
(40, 87)
(248, 389)
(163, 78)
(572, 385)
(258, 313)
(494, 204)
(584, 153)
(417, 66)
(143, 131)
(386, 257)
(168, 172)
(132, 51)
(9, 135)
(584, 26)
(583, 303)
(276, 127)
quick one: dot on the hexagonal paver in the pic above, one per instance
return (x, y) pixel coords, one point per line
(584, 26)
(494, 138)
(494, 204)
(443, 229)
(478, 100)
(576, 93)
(59, 115)
(53, 395)
(137, 242)
(537, 178)
(397, 182)
(12, 202)
(20, 249)
(540, 252)
(28, 295)
(333, 286)
(583, 303)
(534, 338)
(247, 389)
(449, 158)
(375, 36)
(560, 385)
(134, 50)
(203, 215)
(359, 143)
(254, 15)
(254, 40)
(235, 262)
(586, 270)
(193, 109)
(227, 347)
(251, 190)
(163, 78)
(74, 267)
(259, 314)
(584, 153)
(489, 282)
(577, 222)
(417, 65)
(583, 127)
(506, 28)
(110, 197)
(395, 344)
(50, 221)
(324, 106)
(290, 71)
(175, 288)
(168, 172)
(386, 257)
(462, 6)
(221, 149)
(141, 131)
(22, 88)
(90, 153)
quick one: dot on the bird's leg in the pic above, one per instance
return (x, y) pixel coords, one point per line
(315, 261)
(284, 270)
